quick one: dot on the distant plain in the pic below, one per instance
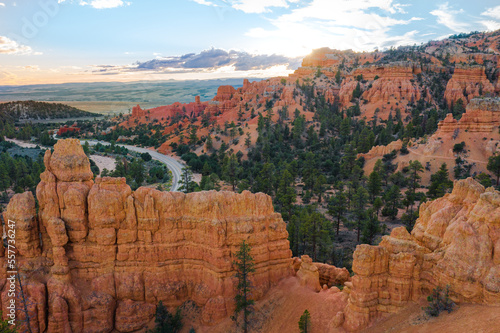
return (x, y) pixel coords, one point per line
(117, 97)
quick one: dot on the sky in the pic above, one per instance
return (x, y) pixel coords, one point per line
(58, 41)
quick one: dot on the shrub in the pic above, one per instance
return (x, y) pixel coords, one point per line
(305, 322)
(165, 321)
(5, 327)
(404, 150)
(458, 148)
(439, 301)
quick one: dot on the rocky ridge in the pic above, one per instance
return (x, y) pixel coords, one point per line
(455, 242)
(478, 128)
(391, 82)
(481, 115)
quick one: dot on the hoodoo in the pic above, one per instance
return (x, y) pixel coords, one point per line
(455, 242)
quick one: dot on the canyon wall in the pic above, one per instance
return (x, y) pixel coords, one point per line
(481, 115)
(384, 88)
(455, 242)
(99, 257)
(466, 83)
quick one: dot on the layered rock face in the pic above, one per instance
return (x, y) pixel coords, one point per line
(391, 81)
(455, 242)
(482, 115)
(164, 113)
(107, 255)
(315, 275)
(466, 83)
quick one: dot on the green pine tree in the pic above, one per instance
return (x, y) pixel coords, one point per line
(231, 170)
(494, 166)
(337, 206)
(305, 322)
(245, 266)
(440, 183)
(186, 181)
(165, 321)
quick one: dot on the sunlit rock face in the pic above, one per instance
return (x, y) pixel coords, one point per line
(466, 83)
(481, 115)
(455, 242)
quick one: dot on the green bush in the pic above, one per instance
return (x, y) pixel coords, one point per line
(439, 301)
(165, 321)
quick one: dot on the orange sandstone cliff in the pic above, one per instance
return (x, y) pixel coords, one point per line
(99, 257)
(466, 83)
(455, 242)
(482, 115)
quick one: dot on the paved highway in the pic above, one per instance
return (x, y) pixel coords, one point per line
(170, 162)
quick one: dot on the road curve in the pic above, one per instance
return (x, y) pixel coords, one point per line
(170, 162)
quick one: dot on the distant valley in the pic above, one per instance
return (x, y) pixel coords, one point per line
(116, 97)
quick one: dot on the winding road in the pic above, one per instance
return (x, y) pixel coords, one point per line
(170, 162)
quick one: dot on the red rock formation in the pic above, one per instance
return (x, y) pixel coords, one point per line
(455, 242)
(308, 274)
(224, 93)
(137, 112)
(314, 274)
(385, 82)
(225, 98)
(286, 97)
(466, 83)
(163, 113)
(481, 115)
(379, 151)
(109, 255)
(331, 276)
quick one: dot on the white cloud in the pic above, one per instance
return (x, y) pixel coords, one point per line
(8, 46)
(361, 25)
(33, 68)
(447, 17)
(248, 6)
(101, 4)
(257, 6)
(105, 4)
(204, 2)
(492, 12)
(491, 25)
(2, 4)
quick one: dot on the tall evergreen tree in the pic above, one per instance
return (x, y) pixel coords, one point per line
(392, 202)
(440, 183)
(337, 206)
(244, 266)
(231, 170)
(286, 194)
(374, 184)
(494, 166)
(186, 181)
(371, 227)
(359, 203)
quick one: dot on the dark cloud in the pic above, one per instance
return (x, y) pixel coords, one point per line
(215, 58)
